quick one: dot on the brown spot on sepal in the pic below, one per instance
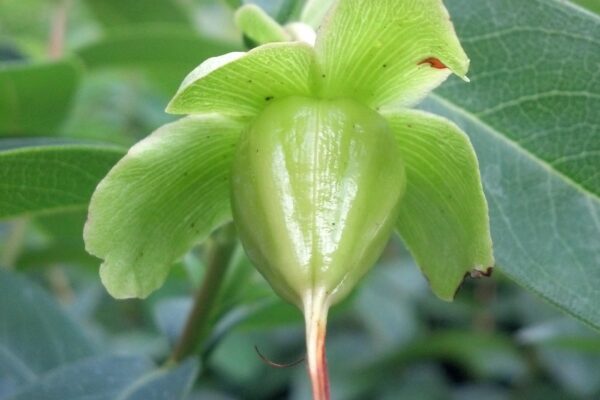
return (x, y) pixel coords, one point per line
(434, 63)
(475, 274)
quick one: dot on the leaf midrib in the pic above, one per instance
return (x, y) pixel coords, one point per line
(494, 132)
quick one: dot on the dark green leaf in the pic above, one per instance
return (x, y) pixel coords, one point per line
(50, 176)
(569, 351)
(483, 355)
(532, 113)
(112, 378)
(35, 334)
(35, 99)
(592, 5)
(166, 51)
(63, 242)
(234, 3)
(124, 13)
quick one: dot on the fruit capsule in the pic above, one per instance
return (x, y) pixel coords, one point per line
(316, 189)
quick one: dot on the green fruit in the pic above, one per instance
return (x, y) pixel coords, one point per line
(316, 189)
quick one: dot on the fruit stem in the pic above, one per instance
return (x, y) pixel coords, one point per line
(316, 306)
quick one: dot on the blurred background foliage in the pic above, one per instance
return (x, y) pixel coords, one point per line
(103, 71)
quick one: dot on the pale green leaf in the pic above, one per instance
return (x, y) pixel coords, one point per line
(314, 11)
(112, 378)
(242, 85)
(255, 23)
(36, 98)
(168, 193)
(43, 176)
(531, 111)
(384, 52)
(35, 334)
(443, 215)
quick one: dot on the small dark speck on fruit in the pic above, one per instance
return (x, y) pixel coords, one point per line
(249, 80)
(384, 65)
(269, 98)
(324, 76)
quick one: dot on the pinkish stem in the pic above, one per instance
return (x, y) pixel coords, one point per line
(316, 306)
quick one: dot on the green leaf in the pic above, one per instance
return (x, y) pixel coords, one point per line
(124, 13)
(531, 111)
(43, 176)
(167, 194)
(568, 351)
(235, 4)
(156, 45)
(242, 84)
(443, 215)
(171, 52)
(36, 98)
(484, 355)
(35, 335)
(255, 23)
(113, 378)
(592, 5)
(62, 244)
(407, 49)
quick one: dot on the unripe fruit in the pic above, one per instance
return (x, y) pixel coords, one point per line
(316, 186)
(316, 189)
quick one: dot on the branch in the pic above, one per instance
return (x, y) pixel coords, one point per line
(219, 252)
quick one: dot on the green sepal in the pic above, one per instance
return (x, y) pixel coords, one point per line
(444, 215)
(243, 84)
(167, 194)
(387, 53)
(314, 11)
(255, 23)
